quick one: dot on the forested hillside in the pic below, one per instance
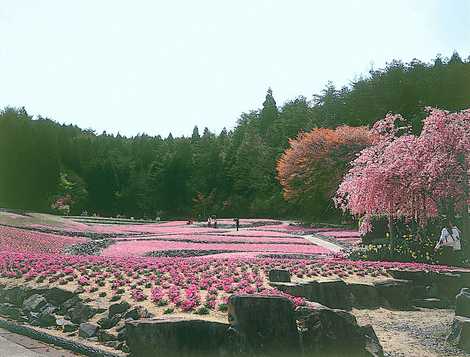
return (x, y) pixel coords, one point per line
(43, 163)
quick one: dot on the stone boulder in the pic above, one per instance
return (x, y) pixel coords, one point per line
(66, 325)
(460, 333)
(332, 293)
(265, 325)
(335, 333)
(107, 322)
(279, 276)
(118, 308)
(34, 303)
(462, 303)
(294, 289)
(138, 312)
(10, 310)
(418, 277)
(448, 285)
(68, 304)
(174, 337)
(364, 296)
(395, 293)
(81, 312)
(15, 295)
(47, 316)
(87, 330)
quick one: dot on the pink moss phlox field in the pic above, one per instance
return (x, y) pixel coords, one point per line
(20, 240)
(180, 283)
(125, 248)
(184, 283)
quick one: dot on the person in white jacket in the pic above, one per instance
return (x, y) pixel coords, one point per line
(450, 237)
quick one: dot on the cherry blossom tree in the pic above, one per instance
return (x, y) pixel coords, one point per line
(413, 177)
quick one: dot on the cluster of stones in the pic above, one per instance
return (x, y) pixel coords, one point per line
(406, 289)
(460, 331)
(64, 310)
(258, 326)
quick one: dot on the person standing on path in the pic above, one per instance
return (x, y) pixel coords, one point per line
(237, 223)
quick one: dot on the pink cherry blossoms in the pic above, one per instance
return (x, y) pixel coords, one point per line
(415, 177)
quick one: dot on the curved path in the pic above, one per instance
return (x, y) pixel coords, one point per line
(323, 243)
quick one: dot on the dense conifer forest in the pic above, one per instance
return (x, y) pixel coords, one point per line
(231, 173)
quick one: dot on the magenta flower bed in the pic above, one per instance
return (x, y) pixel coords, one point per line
(183, 284)
(257, 233)
(19, 240)
(121, 249)
(153, 229)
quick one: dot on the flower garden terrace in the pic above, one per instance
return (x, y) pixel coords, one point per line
(181, 284)
(49, 275)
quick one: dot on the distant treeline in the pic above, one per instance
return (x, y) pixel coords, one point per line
(230, 173)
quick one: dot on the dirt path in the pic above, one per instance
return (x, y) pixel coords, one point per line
(412, 333)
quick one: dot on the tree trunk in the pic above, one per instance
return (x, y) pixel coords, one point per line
(465, 216)
(391, 229)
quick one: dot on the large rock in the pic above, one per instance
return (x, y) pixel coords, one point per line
(448, 285)
(66, 325)
(10, 310)
(107, 322)
(87, 330)
(462, 303)
(15, 295)
(119, 308)
(279, 275)
(364, 296)
(47, 316)
(174, 337)
(460, 333)
(395, 293)
(265, 325)
(34, 303)
(58, 296)
(419, 277)
(294, 289)
(68, 304)
(335, 333)
(138, 312)
(332, 293)
(81, 312)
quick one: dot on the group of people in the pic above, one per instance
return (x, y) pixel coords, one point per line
(212, 221)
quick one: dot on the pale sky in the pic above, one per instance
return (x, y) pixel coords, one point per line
(160, 66)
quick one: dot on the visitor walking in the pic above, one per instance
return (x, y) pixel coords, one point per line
(214, 220)
(237, 223)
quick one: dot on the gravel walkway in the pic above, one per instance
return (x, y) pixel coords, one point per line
(419, 333)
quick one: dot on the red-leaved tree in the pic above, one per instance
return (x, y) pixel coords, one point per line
(311, 169)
